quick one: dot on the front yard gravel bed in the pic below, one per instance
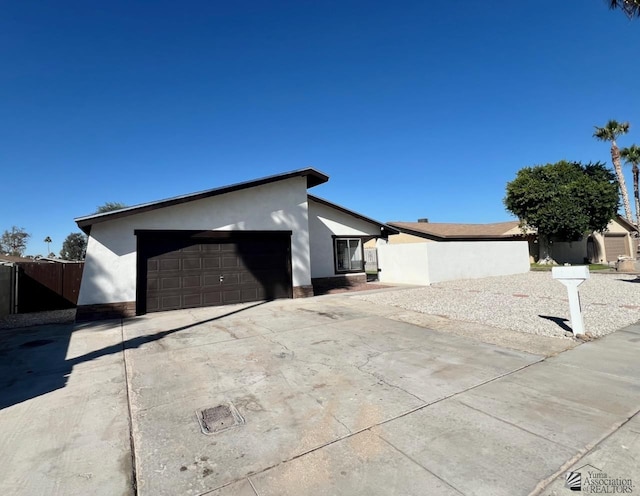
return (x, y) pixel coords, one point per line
(37, 318)
(532, 302)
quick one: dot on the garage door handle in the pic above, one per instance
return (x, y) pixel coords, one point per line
(221, 278)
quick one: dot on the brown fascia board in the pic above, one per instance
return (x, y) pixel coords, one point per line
(627, 223)
(457, 237)
(314, 178)
(384, 227)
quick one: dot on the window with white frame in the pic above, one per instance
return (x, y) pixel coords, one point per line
(348, 255)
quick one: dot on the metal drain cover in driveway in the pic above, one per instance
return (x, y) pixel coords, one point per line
(218, 418)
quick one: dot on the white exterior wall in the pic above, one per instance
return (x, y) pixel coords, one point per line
(325, 222)
(476, 259)
(110, 267)
(403, 263)
(428, 263)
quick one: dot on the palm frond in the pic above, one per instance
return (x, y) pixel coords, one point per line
(631, 154)
(630, 7)
(611, 130)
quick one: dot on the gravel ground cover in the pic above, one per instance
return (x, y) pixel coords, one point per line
(37, 318)
(531, 302)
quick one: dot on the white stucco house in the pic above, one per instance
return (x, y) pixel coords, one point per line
(262, 239)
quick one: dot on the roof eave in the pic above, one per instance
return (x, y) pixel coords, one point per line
(454, 237)
(385, 228)
(313, 177)
(627, 223)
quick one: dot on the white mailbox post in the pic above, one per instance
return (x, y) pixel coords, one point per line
(572, 277)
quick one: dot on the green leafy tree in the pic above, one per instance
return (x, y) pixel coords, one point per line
(14, 242)
(109, 207)
(631, 155)
(74, 247)
(629, 7)
(610, 132)
(563, 201)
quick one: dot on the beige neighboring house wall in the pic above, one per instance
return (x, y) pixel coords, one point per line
(607, 247)
(617, 240)
(406, 238)
(618, 236)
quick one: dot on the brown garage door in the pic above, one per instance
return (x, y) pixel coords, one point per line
(615, 246)
(194, 272)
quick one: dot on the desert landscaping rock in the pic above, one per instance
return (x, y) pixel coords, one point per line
(18, 320)
(531, 303)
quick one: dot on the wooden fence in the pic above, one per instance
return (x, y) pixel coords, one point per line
(7, 289)
(39, 286)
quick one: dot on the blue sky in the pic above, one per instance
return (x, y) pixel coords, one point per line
(413, 108)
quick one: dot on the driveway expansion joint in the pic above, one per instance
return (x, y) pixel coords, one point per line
(134, 474)
(544, 484)
(368, 428)
(514, 425)
(418, 463)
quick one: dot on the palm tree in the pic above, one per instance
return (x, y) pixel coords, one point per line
(610, 132)
(629, 7)
(631, 156)
(47, 240)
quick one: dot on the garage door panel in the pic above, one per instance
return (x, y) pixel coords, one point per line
(615, 246)
(191, 282)
(251, 294)
(170, 282)
(229, 297)
(192, 300)
(230, 279)
(248, 278)
(211, 281)
(210, 247)
(153, 305)
(169, 264)
(170, 302)
(212, 299)
(187, 273)
(211, 263)
(229, 262)
(192, 264)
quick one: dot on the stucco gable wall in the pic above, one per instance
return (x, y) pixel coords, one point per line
(110, 267)
(615, 227)
(325, 222)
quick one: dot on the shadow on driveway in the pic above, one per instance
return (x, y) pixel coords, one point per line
(33, 360)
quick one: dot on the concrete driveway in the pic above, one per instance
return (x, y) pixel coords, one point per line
(334, 395)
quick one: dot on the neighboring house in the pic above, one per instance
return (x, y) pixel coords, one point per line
(252, 241)
(619, 240)
(425, 253)
(424, 231)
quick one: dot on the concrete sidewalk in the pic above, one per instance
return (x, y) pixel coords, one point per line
(517, 434)
(339, 396)
(64, 419)
(344, 397)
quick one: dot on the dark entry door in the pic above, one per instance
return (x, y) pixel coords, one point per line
(189, 273)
